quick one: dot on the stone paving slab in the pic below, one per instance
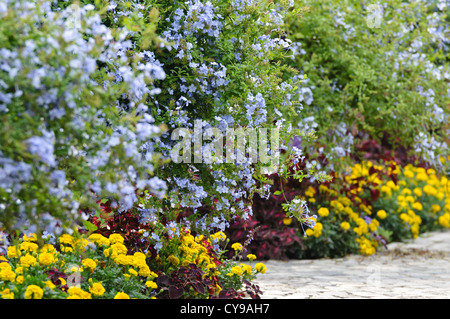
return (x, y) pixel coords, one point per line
(413, 269)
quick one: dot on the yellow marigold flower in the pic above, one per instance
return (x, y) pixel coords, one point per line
(173, 260)
(381, 214)
(5, 265)
(417, 191)
(119, 249)
(116, 239)
(251, 257)
(29, 247)
(435, 208)
(99, 239)
(46, 259)
(247, 269)
(373, 226)
(404, 217)
(345, 225)
(13, 252)
(260, 267)
(287, 221)
(386, 190)
(19, 270)
(27, 261)
(7, 294)
(237, 270)
(78, 293)
(408, 173)
(444, 220)
(48, 248)
(429, 190)
(49, 284)
(124, 260)
(139, 255)
(237, 246)
(66, 239)
(66, 249)
(318, 226)
(19, 279)
(89, 264)
(323, 188)
(133, 272)
(97, 289)
(121, 295)
(151, 284)
(6, 274)
(29, 237)
(323, 212)
(34, 292)
(417, 206)
(406, 191)
(422, 176)
(392, 185)
(410, 199)
(309, 232)
(310, 191)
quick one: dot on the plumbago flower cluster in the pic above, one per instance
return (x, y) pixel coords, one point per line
(374, 70)
(71, 113)
(99, 89)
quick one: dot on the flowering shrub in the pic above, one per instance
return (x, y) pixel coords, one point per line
(374, 70)
(101, 87)
(83, 266)
(70, 83)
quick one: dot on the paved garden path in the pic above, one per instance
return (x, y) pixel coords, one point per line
(414, 269)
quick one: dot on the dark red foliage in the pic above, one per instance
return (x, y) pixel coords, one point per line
(54, 275)
(191, 278)
(272, 238)
(385, 150)
(127, 224)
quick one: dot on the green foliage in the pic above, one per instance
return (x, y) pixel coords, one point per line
(375, 70)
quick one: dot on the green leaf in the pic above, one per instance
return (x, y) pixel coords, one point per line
(89, 226)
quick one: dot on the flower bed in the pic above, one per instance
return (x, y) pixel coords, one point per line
(106, 114)
(357, 212)
(82, 266)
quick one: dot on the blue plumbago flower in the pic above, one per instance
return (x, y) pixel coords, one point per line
(43, 147)
(256, 110)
